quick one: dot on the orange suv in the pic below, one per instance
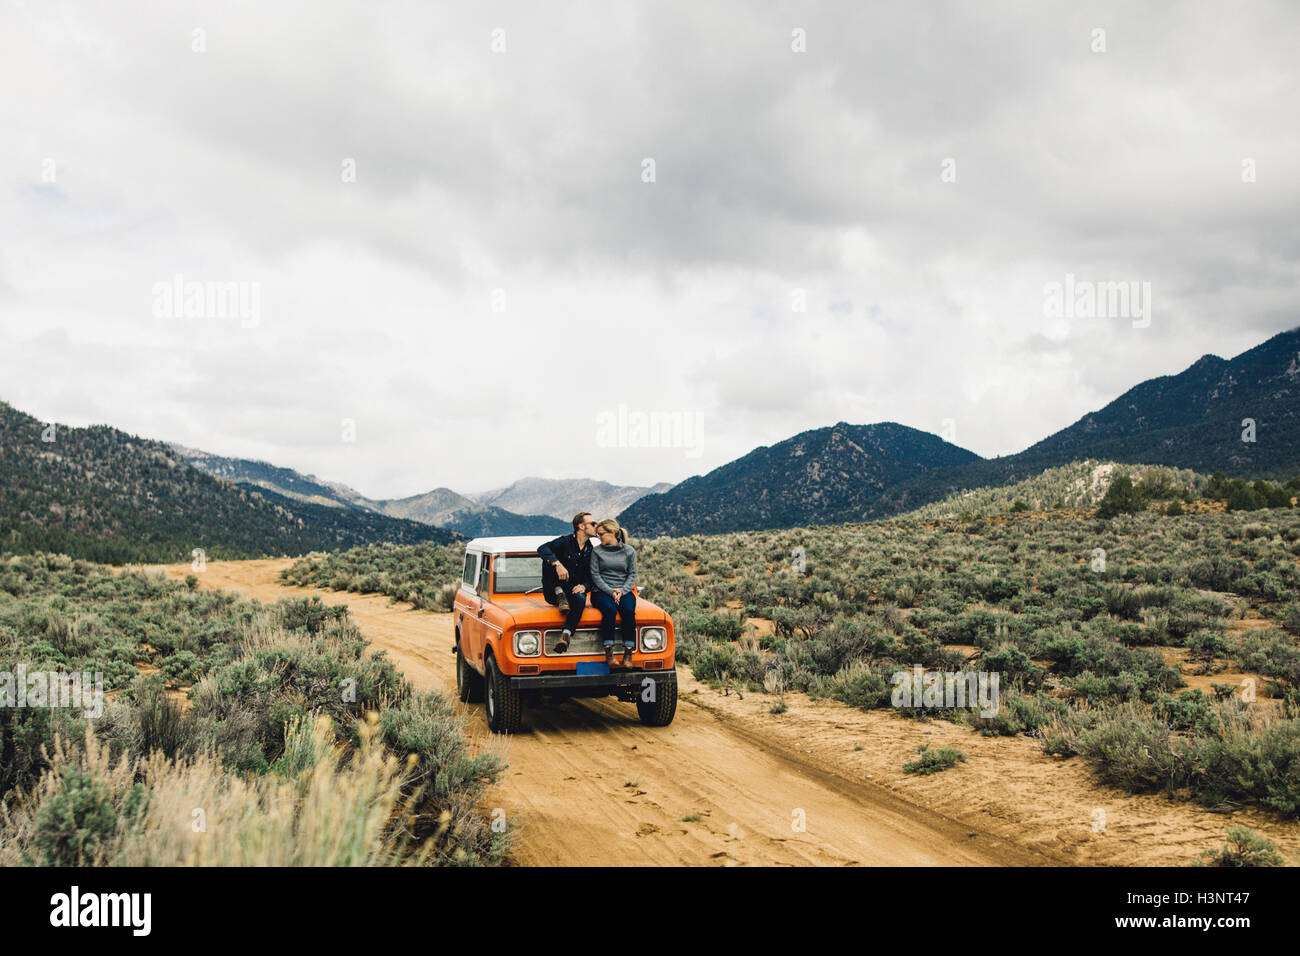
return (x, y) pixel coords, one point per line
(506, 635)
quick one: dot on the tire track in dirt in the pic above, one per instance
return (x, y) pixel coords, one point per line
(587, 783)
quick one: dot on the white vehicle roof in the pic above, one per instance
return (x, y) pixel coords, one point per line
(509, 543)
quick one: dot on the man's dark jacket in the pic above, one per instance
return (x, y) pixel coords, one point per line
(577, 562)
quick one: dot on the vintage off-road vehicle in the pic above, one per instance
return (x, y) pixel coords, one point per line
(506, 634)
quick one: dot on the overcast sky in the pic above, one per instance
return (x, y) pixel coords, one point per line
(447, 232)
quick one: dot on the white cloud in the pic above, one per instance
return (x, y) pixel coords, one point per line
(520, 171)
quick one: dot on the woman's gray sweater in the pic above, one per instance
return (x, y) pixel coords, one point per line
(613, 568)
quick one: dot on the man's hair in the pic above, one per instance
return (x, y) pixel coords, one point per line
(577, 519)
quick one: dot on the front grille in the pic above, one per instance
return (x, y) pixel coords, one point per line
(586, 640)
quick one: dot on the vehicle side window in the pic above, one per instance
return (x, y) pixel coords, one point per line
(471, 568)
(485, 577)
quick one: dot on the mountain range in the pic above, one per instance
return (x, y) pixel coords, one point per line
(840, 473)
(102, 494)
(441, 507)
(561, 498)
(1238, 416)
(1199, 418)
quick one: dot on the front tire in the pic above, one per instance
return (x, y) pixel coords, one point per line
(469, 685)
(505, 708)
(660, 711)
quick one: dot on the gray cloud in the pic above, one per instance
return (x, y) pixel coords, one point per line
(778, 175)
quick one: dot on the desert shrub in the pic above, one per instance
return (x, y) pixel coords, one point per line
(1252, 763)
(1156, 597)
(1133, 750)
(442, 781)
(1245, 847)
(245, 704)
(891, 619)
(1217, 573)
(981, 628)
(933, 761)
(79, 813)
(161, 725)
(333, 808)
(859, 685)
(1122, 602)
(717, 627)
(445, 597)
(1272, 654)
(1103, 668)
(1062, 733)
(749, 668)
(1227, 754)
(1015, 666)
(998, 589)
(183, 667)
(917, 647)
(792, 621)
(836, 645)
(27, 735)
(420, 574)
(432, 598)
(306, 614)
(708, 661)
(1207, 644)
(1019, 714)
(1191, 711)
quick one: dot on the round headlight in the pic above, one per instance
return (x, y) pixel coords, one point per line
(526, 642)
(653, 639)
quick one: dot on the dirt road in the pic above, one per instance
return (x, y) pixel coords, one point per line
(588, 784)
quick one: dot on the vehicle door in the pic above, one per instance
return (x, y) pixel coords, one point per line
(483, 595)
(467, 603)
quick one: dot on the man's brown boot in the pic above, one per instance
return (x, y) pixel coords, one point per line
(562, 600)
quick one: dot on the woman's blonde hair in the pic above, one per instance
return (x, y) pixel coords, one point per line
(609, 524)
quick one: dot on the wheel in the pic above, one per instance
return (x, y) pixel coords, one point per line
(660, 711)
(505, 709)
(469, 684)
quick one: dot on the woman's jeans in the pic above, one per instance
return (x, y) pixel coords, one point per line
(626, 610)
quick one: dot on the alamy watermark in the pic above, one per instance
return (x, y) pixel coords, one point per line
(947, 689)
(53, 689)
(181, 299)
(624, 428)
(1084, 299)
(75, 908)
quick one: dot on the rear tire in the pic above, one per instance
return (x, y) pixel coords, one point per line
(469, 685)
(660, 711)
(504, 707)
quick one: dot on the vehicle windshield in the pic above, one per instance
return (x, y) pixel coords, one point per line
(517, 574)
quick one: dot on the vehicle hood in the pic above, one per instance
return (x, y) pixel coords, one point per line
(531, 610)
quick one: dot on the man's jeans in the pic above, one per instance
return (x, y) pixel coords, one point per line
(626, 610)
(577, 604)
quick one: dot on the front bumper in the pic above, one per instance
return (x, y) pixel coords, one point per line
(596, 683)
